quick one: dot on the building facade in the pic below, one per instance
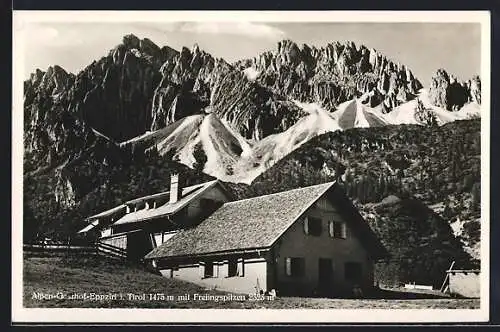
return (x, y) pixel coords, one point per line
(307, 241)
(140, 225)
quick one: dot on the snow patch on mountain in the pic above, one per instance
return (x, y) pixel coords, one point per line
(251, 73)
(269, 150)
(221, 147)
(231, 157)
(361, 121)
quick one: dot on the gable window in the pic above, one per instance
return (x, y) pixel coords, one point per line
(338, 229)
(353, 271)
(294, 266)
(312, 226)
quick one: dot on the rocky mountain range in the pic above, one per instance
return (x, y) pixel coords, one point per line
(139, 87)
(293, 116)
(229, 120)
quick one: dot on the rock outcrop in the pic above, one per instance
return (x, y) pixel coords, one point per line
(114, 95)
(193, 82)
(73, 121)
(185, 85)
(448, 92)
(333, 74)
(255, 95)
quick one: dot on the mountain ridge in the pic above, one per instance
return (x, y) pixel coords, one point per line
(259, 110)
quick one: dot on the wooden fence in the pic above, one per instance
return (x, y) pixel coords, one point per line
(97, 249)
(111, 251)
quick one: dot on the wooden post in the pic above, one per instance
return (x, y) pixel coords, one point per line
(446, 277)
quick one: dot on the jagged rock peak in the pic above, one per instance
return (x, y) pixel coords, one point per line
(447, 91)
(286, 44)
(56, 70)
(131, 41)
(331, 74)
(53, 81)
(475, 89)
(196, 48)
(141, 48)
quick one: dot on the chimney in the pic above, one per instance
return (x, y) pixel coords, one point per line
(175, 188)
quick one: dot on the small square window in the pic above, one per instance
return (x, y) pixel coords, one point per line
(338, 230)
(312, 226)
(315, 226)
(294, 266)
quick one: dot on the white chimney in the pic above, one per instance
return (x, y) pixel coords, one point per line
(175, 188)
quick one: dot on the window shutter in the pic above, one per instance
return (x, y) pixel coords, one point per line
(330, 228)
(241, 268)
(343, 230)
(225, 268)
(216, 269)
(306, 225)
(201, 269)
(288, 266)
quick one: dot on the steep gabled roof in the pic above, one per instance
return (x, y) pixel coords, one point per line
(258, 222)
(250, 223)
(188, 194)
(358, 224)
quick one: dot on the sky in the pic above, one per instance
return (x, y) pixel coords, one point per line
(423, 47)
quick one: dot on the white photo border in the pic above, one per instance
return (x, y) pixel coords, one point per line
(318, 316)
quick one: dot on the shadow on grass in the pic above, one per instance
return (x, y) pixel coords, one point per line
(390, 294)
(387, 294)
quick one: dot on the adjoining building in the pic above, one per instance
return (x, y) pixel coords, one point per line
(464, 283)
(306, 241)
(140, 225)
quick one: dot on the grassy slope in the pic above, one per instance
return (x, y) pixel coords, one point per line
(89, 275)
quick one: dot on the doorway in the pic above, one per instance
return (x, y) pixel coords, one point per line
(325, 276)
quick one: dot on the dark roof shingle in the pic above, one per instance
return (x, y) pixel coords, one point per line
(250, 223)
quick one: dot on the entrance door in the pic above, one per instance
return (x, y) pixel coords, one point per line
(325, 276)
(138, 245)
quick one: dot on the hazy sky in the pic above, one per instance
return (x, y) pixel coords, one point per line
(423, 47)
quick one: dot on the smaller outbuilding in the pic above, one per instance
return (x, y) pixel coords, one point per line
(464, 283)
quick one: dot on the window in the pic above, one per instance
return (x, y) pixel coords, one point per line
(338, 229)
(232, 269)
(312, 226)
(235, 267)
(209, 270)
(353, 271)
(294, 266)
(162, 237)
